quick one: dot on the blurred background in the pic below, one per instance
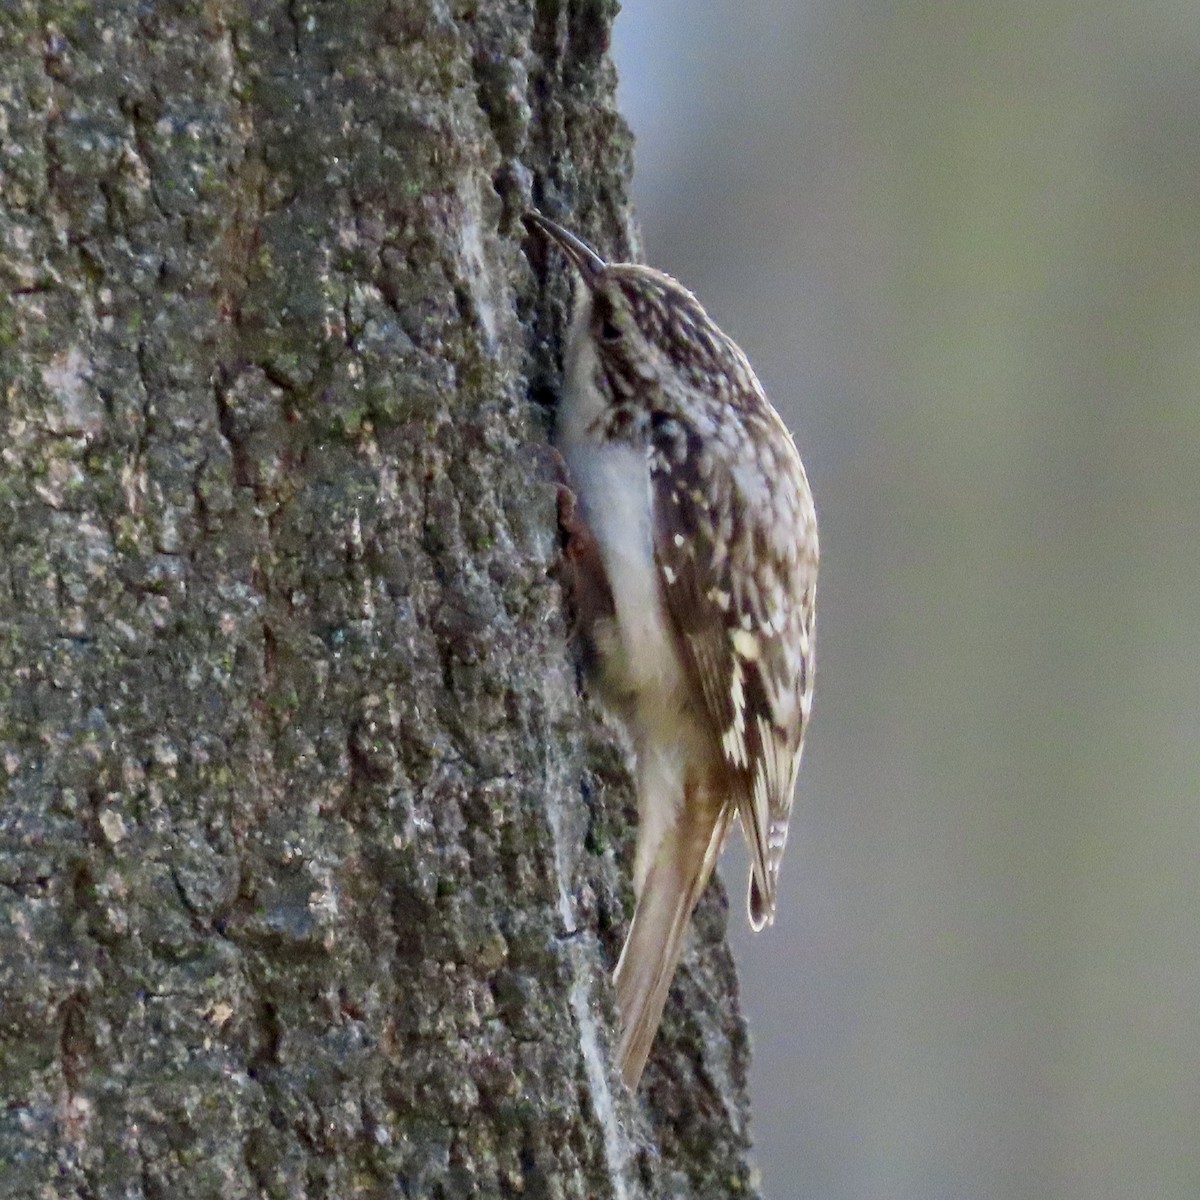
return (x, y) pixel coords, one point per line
(961, 244)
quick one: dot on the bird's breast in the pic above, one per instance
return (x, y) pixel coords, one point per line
(640, 662)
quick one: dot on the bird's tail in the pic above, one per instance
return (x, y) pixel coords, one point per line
(682, 864)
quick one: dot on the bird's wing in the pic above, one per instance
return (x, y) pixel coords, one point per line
(736, 546)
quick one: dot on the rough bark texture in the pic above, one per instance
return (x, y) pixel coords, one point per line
(313, 866)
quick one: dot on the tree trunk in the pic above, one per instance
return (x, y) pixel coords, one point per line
(313, 865)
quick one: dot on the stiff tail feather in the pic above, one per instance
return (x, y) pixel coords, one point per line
(682, 864)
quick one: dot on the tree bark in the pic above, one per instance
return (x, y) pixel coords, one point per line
(313, 864)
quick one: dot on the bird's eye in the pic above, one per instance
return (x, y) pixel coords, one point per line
(609, 332)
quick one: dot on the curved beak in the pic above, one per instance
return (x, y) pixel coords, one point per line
(586, 261)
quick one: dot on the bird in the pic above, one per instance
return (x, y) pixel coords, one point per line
(691, 536)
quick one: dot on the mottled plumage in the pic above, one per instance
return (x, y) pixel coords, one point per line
(696, 506)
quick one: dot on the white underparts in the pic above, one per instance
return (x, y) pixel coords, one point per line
(639, 675)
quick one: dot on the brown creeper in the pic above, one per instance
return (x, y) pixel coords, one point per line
(700, 539)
